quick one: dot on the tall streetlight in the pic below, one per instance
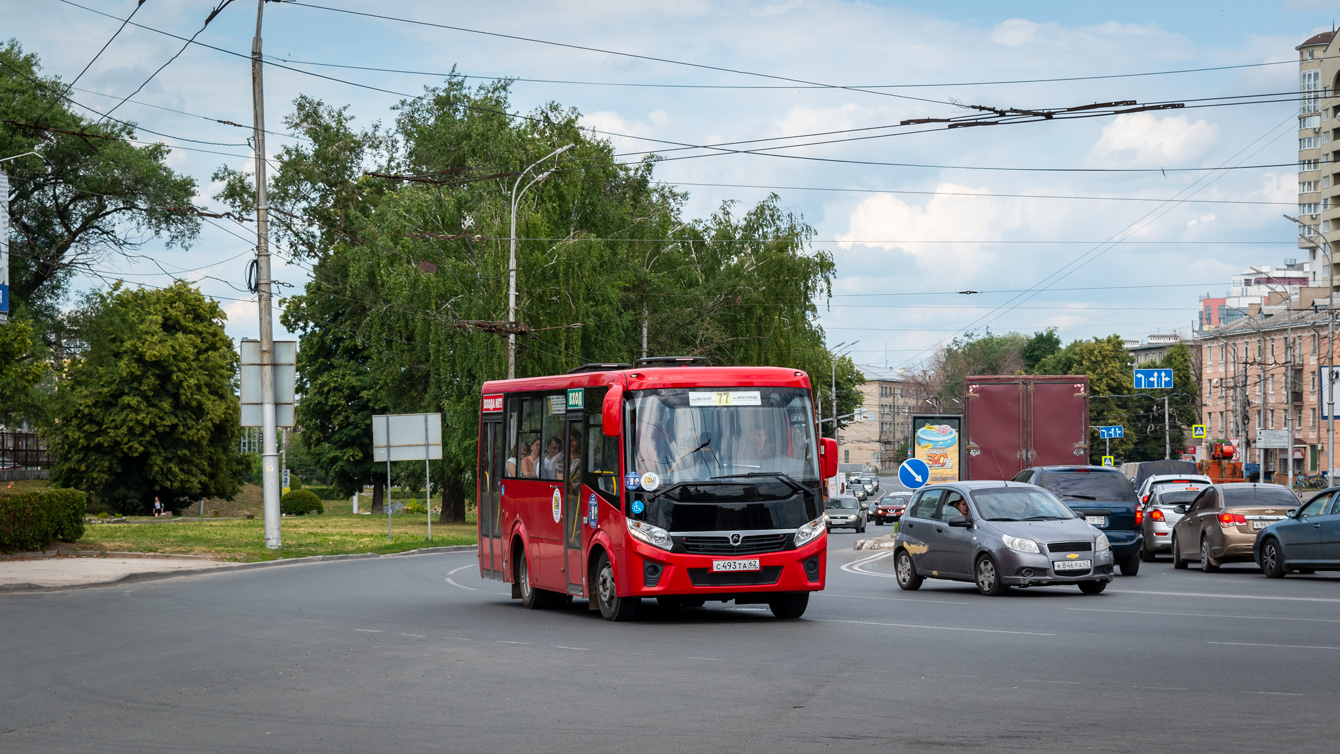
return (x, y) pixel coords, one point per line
(511, 260)
(1329, 387)
(834, 353)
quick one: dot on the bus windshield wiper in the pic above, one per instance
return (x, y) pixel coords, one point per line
(784, 478)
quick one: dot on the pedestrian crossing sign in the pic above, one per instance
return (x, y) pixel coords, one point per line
(1198, 431)
(1108, 461)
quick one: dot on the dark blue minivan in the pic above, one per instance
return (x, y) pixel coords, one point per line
(1104, 497)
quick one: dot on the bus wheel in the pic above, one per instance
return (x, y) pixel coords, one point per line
(531, 598)
(612, 606)
(789, 606)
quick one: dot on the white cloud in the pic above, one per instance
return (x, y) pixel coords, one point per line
(1015, 32)
(1145, 140)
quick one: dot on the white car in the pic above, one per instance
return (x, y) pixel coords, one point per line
(1160, 497)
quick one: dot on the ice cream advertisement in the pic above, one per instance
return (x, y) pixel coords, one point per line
(936, 441)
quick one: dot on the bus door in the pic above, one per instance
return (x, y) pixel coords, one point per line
(574, 510)
(490, 495)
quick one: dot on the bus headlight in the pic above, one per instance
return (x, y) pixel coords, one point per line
(651, 534)
(809, 532)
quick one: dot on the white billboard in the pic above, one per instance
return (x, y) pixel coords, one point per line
(286, 371)
(406, 437)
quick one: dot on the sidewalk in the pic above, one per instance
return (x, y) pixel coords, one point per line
(51, 571)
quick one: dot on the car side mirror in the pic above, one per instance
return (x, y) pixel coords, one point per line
(828, 455)
(611, 411)
(960, 522)
(1180, 510)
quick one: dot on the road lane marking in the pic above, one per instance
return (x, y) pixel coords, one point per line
(1273, 693)
(1202, 615)
(933, 628)
(455, 571)
(1223, 596)
(579, 649)
(501, 641)
(1277, 646)
(416, 636)
(368, 630)
(827, 593)
(460, 586)
(855, 565)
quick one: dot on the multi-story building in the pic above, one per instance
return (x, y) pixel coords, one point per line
(1154, 347)
(1319, 151)
(1262, 372)
(1257, 286)
(888, 404)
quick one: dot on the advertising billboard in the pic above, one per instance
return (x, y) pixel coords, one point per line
(937, 439)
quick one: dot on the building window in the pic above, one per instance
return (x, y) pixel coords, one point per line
(1309, 142)
(1271, 425)
(1307, 187)
(1310, 89)
(1309, 121)
(1312, 418)
(1307, 164)
(846, 454)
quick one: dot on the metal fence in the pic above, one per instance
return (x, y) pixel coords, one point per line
(23, 452)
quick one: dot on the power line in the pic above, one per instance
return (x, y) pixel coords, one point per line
(220, 121)
(787, 87)
(222, 4)
(101, 50)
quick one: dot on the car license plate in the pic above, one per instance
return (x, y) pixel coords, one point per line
(1260, 524)
(735, 565)
(1072, 565)
(1096, 520)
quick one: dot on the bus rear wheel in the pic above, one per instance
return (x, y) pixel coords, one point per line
(789, 606)
(532, 598)
(612, 606)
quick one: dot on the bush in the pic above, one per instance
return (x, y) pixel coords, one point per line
(294, 483)
(300, 503)
(327, 493)
(415, 507)
(33, 519)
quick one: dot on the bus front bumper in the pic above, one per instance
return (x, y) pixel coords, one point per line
(652, 572)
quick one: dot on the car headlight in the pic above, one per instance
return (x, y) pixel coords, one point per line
(1019, 544)
(809, 532)
(650, 533)
(1101, 543)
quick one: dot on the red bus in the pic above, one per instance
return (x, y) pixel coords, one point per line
(684, 483)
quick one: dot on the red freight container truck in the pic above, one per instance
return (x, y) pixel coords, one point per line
(1014, 422)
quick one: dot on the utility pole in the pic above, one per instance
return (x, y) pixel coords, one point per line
(1309, 234)
(269, 449)
(1167, 434)
(511, 259)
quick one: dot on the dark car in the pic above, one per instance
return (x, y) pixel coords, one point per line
(1106, 500)
(1306, 541)
(997, 535)
(890, 507)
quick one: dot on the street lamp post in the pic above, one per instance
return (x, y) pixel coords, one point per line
(511, 257)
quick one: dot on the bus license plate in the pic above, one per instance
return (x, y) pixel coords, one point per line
(735, 565)
(1072, 565)
(1096, 520)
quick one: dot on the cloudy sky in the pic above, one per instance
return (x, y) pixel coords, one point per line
(1061, 208)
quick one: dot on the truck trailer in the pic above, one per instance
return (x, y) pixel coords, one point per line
(1018, 421)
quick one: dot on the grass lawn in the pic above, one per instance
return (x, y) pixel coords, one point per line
(243, 540)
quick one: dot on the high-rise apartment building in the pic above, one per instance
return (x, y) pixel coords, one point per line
(1319, 152)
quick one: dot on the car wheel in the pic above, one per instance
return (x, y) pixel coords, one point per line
(988, 577)
(1130, 565)
(1178, 563)
(1146, 555)
(789, 606)
(905, 572)
(1206, 566)
(1092, 587)
(879, 522)
(612, 606)
(1272, 560)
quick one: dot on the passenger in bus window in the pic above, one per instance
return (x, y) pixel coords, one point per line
(574, 455)
(531, 461)
(553, 456)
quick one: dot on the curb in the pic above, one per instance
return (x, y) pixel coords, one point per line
(154, 576)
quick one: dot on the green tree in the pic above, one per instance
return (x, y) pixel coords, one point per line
(1039, 347)
(89, 191)
(150, 404)
(1183, 408)
(21, 368)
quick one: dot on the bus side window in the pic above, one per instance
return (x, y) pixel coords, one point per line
(528, 464)
(551, 435)
(513, 425)
(602, 453)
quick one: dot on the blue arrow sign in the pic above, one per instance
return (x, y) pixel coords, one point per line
(914, 473)
(1146, 379)
(1111, 432)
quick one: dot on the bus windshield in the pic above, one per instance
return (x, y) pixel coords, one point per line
(724, 434)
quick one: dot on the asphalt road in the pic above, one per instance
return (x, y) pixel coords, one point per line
(417, 654)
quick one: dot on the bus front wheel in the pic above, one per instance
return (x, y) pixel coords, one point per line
(612, 606)
(789, 606)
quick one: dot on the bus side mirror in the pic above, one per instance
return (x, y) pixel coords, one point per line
(828, 457)
(611, 411)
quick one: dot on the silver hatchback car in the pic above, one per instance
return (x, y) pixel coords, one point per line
(997, 535)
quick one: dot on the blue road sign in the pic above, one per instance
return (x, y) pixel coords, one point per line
(1112, 432)
(914, 473)
(4, 299)
(1146, 379)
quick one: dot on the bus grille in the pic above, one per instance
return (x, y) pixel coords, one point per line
(706, 577)
(749, 545)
